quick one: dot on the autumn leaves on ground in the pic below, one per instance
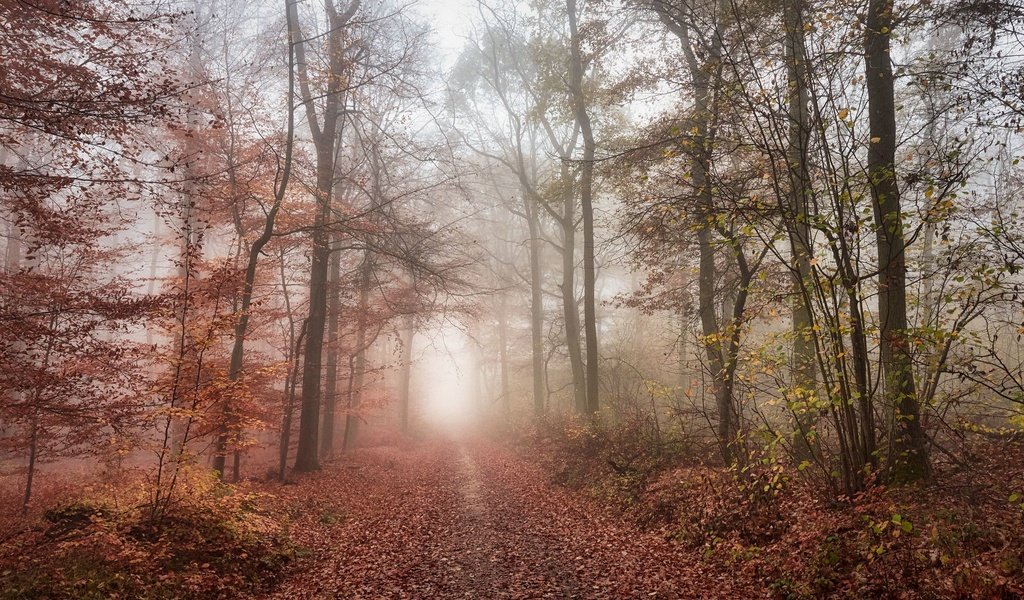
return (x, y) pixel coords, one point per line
(553, 512)
(464, 519)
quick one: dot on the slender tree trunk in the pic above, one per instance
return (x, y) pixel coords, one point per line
(154, 262)
(12, 264)
(705, 78)
(506, 399)
(909, 444)
(804, 365)
(405, 375)
(33, 439)
(683, 360)
(33, 452)
(586, 208)
(536, 308)
(570, 309)
(291, 381)
(333, 352)
(728, 428)
(242, 324)
(863, 441)
(358, 370)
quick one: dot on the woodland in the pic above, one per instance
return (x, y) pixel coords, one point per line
(511, 299)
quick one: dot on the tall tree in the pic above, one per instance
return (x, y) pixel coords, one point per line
(909, 448)
(255, 250)
(703, 58)
(582, 116)
(797, 219)
(324, 125)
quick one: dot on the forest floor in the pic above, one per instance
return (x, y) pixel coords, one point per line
(555, 513)
(470, 519)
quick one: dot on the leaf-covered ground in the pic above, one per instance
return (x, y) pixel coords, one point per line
(459, 519)
(527, 517)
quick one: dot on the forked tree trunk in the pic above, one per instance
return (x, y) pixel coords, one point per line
(325, 135)
(705, 75)
(242, 324)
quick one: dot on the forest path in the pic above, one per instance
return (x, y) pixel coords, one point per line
(470, 519)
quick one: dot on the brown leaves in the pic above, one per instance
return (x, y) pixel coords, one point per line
(475, 521)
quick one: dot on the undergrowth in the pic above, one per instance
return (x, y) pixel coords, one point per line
(960, 536)
(214, 541)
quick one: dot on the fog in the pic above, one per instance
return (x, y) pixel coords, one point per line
(295, 229)
(448, 390)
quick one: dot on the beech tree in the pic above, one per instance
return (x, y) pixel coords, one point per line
(75, 104)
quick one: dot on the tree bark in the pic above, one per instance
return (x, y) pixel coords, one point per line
(582, 116)
(570, 309)
(333, 352)
(506, 393)
(405, 375)
(324, 136)
(804, 364)
(359, 364)
(909, 453)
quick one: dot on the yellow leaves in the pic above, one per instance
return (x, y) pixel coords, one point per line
(928, 193)
(843, 113)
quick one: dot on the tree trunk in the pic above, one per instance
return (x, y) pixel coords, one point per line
(909, 458)
(154, 263)
(290, 383)
(325, 136)
(242, 324)
(306, 458)
(570, 310)
(405, 375)
(506, 394)
(704, 74)
(33, 452)
(579, 102)
(804, 364)
(359, 365)
(333, 351)
(683, 360)
(536, 308)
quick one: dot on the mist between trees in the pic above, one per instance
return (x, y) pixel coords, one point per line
(786, 227)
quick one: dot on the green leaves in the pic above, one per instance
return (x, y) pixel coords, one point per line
(904, 525)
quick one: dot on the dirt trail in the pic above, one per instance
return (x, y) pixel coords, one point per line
(473, 520)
